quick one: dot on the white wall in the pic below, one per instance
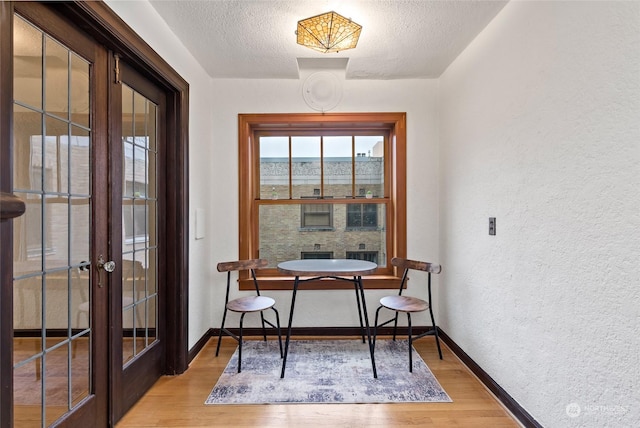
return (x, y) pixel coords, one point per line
(540, 127)
(144, 19)
(415, 97)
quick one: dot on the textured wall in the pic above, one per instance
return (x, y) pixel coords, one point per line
(540, 127)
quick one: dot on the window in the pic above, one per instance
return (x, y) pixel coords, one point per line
(290, 164)
(362, 216)
(316, 216)
(370, 256)
(316, 255)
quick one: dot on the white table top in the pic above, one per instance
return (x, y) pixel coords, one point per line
(327, 267)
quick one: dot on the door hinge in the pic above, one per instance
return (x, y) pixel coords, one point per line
(117, 68)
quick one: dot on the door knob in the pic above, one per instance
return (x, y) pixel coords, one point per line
(109, 266)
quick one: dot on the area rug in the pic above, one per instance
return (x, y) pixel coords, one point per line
(326, 371)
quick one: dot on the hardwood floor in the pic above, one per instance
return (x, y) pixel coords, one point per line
(177, 401)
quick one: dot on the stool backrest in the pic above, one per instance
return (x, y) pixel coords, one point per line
(408, 264)
(239, 265)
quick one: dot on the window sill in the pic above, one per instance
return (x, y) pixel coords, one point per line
(286, 283)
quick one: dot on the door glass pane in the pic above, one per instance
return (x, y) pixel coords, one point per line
(139, 220)
(79, 160)
(27, 129)
(57, 380)
(52, 329)
(80, 367)
(79, 91)
(56, 228)
(27, 64)
(57, 78)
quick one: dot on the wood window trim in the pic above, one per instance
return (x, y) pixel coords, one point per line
(249, 185)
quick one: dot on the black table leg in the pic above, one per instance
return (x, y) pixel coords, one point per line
(355, 286)
(366, 321)
(286, 345)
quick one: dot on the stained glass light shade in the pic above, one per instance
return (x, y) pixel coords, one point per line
(329, 32)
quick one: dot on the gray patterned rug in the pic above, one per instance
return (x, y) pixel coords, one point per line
(326, 371)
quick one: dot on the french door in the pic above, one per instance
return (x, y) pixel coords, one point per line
(61, 290)
(87, 269)
(138, 340)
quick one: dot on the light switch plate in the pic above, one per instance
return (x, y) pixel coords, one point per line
(492, 225)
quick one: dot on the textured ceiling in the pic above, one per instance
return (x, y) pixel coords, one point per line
(256, 38)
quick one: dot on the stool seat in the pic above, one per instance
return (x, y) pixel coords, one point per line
(251, 304)
(404, 304)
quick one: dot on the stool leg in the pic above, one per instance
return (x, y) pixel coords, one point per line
(240, 344)
(435, 332)
(359, 311)
(395, 326)
(264, 330)
(375, 327)
(224, 317)
(279, 333)
(410, 343)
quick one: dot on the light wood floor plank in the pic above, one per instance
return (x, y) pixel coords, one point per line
(177, 401)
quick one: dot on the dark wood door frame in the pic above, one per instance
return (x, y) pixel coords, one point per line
(100, 22)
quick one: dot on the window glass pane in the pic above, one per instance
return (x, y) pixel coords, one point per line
(305, 168)
(338, 166)
(274, 167)
(282, 237)
(370, 166)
